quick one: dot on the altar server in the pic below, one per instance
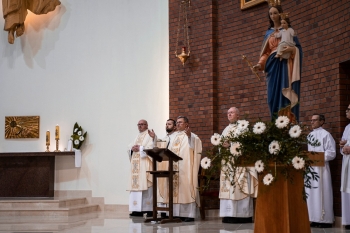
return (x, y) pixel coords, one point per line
(345, 174)
(320, 196)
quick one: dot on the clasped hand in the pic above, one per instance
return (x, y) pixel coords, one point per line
(135, 148)
(346, 150)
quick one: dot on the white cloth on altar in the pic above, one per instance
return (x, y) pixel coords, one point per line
(233, 201)
(141, 200)
(345, 180)
(320, 199)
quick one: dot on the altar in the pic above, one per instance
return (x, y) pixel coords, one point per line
(28, 174)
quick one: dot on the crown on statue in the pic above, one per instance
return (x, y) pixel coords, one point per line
(274, 3)
(284, 15)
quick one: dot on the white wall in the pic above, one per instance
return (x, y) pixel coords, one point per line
(103, 64)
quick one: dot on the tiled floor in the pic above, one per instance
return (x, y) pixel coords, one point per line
(115, 223)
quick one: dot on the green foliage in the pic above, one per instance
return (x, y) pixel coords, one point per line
(254, 146)
(78, 137)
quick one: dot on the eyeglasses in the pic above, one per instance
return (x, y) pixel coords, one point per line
(141, 124)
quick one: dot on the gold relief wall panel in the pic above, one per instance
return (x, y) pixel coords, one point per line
(22, 127)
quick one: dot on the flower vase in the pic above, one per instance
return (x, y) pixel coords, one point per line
(77, 157)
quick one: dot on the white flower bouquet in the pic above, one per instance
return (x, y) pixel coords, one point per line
(263, 146)
(78, 137)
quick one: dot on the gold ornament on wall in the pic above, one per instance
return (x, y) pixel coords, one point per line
(245, 4)
(22, 127)
(182, 28)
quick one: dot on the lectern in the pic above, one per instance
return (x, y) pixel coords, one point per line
(159, 155)
(280, 207)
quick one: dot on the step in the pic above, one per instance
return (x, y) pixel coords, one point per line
(40, 203)
(31, 224)
(33, 219)
(51, 211)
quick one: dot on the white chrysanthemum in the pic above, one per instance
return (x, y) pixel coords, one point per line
(79, 133)
(76, 142)
(298, 163)
(205, 163)
(259, 128)
(75, 130)
(215, 139)
(259, 166)
(295, 131)
(235, 149)
(242, 125)
(81, 138)
(274, 147)
(282, 121)
(268, 179)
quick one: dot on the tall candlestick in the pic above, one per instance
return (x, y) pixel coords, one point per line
(57, 133)
(48, 138)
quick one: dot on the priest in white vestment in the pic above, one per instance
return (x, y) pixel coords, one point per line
(345, 174)
(320, 196)
(141, 193)
(170, 128)
(236, 203)
(188, 146)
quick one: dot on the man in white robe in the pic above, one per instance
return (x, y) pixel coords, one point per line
(345, 174)
(141, 193)
(182, 124)
(320, 196)
(188, 146)
(170, 128)
(236, 203)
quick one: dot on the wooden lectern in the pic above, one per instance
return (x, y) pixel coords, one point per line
(159, 155)
(280, 207)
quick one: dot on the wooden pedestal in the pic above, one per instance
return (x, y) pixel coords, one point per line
(280, 207)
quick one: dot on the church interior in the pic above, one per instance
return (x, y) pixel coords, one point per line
(107, 65)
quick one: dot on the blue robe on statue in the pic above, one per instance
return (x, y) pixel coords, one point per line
(283, 76)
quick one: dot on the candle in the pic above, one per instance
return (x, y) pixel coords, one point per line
(57, 133)
(48, 138)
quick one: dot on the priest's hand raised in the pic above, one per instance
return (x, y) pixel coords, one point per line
(152, 134)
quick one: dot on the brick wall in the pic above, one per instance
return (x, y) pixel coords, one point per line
(216, 78)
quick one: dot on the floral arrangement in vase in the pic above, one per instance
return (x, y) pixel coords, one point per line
(263, 147)
(78, 137)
